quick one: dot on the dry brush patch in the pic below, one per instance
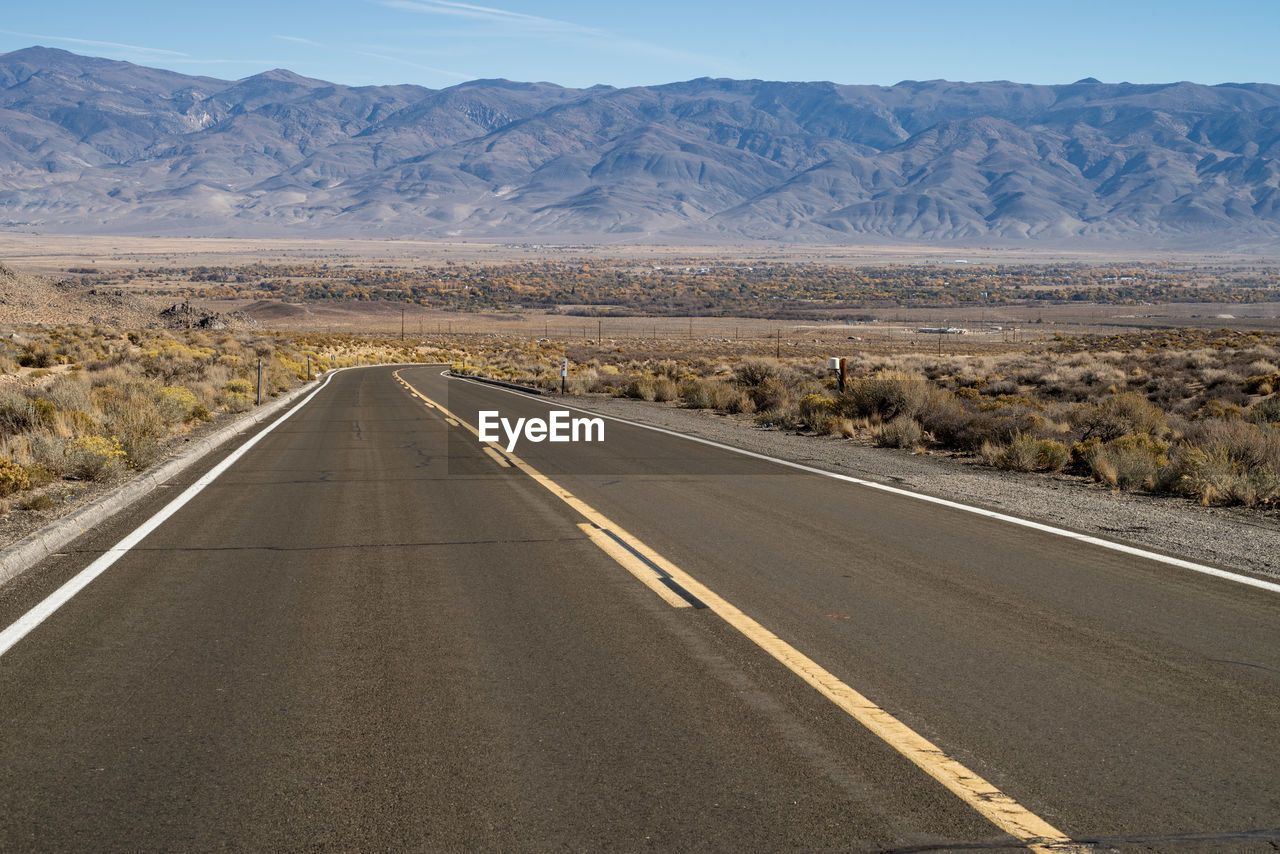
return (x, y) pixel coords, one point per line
(86, 404)
(1181, 412)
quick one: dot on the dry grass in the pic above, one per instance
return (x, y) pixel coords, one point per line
(1182, 412)
(88, 403)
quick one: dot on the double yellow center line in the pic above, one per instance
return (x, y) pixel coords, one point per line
(669, 581)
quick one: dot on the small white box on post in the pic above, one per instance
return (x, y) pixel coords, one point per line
(838, 366)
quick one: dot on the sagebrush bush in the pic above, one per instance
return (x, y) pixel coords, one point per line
(1027, 453)
(176, 403)
(887, 395)
(817, 412)
(901, 432)
(641, 389)
(1266, 411)
(1133, 461)
(665, 389)
(13, 477)
(95, 458)
(755, 372)
(1119, 415)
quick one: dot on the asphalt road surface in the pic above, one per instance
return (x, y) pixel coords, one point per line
(371, 634)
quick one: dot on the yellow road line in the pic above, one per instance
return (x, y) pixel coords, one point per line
(994, 805)
(497, 458)
(634, 565)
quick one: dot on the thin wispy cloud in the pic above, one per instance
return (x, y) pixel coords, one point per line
(396, 50)
(270, 63)
(489, 13)
(94, 43)
(399, 61)
(300, 40)
(520, 23)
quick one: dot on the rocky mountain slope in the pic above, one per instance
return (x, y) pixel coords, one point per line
(30, 299)
(93, 145)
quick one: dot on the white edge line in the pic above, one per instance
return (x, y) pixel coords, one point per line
(955, 505)
(55, 600)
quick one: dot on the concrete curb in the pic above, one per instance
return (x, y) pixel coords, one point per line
(30, 550)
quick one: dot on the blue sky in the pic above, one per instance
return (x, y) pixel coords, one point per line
(440, 43)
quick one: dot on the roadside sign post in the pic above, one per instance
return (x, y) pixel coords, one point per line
(259, 382)
(564, 375)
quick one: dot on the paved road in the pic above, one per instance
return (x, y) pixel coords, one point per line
(368, 635)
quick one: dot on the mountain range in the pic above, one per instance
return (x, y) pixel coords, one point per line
(92, 145)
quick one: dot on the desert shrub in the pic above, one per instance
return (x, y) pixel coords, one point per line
(37, 502)
(1027, 453)
(17, 414)
(755, 372)
(665, 388)
(237, 401)
(1227, 466)
(176, 403)
(1262, 383)
(239, 386)
(69, 423)
(139, 431)
(740, 402)
(782, 418)
(641, 390)
(1245, 443)
(887, 394)
(1167, 391)
(237, 396)
(13, 477)
(846, 427)
(94, 458)
(902, 432)
(1218, 409)
(69, 392)
(771, 393)
(1132, 461)
(1018, 454)
(37, 356)
(1265, 411)
(997, 428)
(710, 394)
(997, 387)
(944, 418)
(816, 412)
(1052, 455)
(1117, 416)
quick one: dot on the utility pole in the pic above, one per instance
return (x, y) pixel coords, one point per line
(402, 324)
(777, 343)
(599, 331)
(259, 382)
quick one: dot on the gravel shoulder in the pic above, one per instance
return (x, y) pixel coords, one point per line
(1225, 537)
